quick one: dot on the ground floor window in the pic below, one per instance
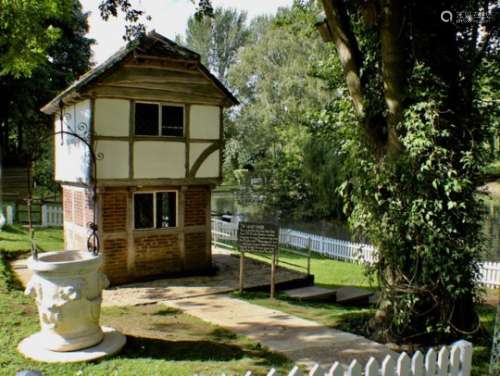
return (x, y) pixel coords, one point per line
(155, 210)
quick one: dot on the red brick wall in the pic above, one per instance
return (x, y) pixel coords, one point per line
(114, 211)
(78, 210)
(78, 203)
(115, 260)
(196, 206)
(157, 254)
(68, 204)
(195, 249)
(88, 208)
(78, 206)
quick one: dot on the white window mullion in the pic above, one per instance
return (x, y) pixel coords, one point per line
(154, 210)
(159, 120)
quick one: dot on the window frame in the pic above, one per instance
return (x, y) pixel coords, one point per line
(154, 192)
(159, 105)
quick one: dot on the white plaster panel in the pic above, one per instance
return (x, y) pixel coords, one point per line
(115, 161)
(204, 122)
(73, 156)
(210, 167)
(159, 159)
(195, 149)
(112, 117)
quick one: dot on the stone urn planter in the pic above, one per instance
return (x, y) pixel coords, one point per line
(68, 288)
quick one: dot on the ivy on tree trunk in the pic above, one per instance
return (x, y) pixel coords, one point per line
(412, 78)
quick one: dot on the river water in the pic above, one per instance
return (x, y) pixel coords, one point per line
(227, 203)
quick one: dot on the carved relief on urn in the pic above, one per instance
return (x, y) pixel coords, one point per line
(68, 288)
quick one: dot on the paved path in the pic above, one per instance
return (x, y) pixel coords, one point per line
(303, 341)
(226, 279)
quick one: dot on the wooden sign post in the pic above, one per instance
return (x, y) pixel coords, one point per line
(258, 238)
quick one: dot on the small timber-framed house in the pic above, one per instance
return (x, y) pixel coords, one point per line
(154, 117)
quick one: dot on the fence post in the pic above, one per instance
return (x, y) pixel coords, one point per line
(465, 356)
(9, 214)
(45, 217)
(309, 246)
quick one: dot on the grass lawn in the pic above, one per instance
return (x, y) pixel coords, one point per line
(327, 272)
(16, 239)
(160, 340)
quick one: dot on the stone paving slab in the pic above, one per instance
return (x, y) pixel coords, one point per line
(350, 294)
(303, 341)
(311, 293)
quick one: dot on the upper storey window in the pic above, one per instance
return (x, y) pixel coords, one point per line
(153, 119)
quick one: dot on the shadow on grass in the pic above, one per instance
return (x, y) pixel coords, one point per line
(152, 348)
(8, 279)
(167, 311)
(14, 230)
(141, 347)
(223, 334)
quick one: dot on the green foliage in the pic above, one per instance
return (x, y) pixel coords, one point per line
(419, 207)
(218, 38)
(27, 29)
(24, 129)
(281, 98)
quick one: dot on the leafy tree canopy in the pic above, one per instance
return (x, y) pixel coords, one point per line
(27, 30)
(218, 39)
(274, 79)
(26, 86)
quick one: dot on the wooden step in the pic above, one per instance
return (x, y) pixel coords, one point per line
(311, 293)
(349, 294)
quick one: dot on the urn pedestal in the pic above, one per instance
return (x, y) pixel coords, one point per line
(67, 287)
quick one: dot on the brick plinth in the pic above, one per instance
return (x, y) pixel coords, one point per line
(136, 254)
(114, 211)
(157, 254)
(196, 206)
(115, 253)
(195, 248)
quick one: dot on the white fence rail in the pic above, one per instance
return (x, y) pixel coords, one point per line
(455, 360)
(338, 249)
(52, 215)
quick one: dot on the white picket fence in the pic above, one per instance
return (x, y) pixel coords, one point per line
(454, 360)
(52, 215)
(490, 274)
(329, 247)
(337, 249)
